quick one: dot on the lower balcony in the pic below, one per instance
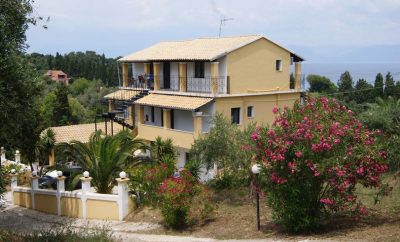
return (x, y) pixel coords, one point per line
(183, 139)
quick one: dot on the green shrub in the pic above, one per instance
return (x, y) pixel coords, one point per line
(183, 201)
(391, 145)
(59, 234)
(228, 180)
(146, 179)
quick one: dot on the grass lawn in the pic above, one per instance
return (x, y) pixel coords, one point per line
(235, 218)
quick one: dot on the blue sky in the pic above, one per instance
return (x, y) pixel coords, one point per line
(316, 28)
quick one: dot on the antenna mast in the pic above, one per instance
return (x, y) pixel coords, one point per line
(222, 23)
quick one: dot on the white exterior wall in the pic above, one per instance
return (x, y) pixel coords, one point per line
(183, 120)
(157, 116)
(181, 157)
(137, 68)
(208, 114)
(190, 69)
(136, 115)
(207, 69)
(222, 66)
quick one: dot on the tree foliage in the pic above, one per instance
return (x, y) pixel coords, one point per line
(390, 87)
(363, 91)
(378, 86)
(89, 65)
(20, 86)
(321, 84)
(227, 146)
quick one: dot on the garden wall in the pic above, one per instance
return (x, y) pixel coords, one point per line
(77, 204)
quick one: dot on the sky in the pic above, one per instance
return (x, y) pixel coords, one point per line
(321, 30)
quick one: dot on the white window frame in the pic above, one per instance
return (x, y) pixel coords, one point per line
(240, 115)
(252, 111)
(278, 65)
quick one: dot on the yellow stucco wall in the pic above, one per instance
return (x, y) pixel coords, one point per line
(46, 203)
(96, 209)
(262, 104)
(181, 138)
(71, 207)
(253, 67)
(23, 199)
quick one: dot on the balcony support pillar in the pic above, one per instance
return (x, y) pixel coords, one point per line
(111, 105)
(182, 77)
(141, 114)
(297, 75)
(197, 124)
(214, 77)
(132, 115)
(157, 70)
(125, 74)
(167, 118)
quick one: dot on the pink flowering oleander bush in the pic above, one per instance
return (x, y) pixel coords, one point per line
(313, 156)
(184, 200)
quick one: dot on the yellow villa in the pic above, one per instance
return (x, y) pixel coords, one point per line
(173, 89)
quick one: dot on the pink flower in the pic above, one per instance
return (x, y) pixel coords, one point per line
(255, 136)
(360, 170)
(275, 110)
(292, 166)
(298, 154)
(277, 179)
(363, 210)
(350, 112)
(326, 201)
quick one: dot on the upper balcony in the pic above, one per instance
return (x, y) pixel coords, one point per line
(203, 77)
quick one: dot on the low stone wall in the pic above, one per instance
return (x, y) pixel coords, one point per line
(78, 204)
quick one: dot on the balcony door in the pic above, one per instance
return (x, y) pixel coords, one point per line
(167, 75)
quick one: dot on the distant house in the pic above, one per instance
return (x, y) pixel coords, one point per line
(58, 76)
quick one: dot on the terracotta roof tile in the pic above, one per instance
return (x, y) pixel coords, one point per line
(81, 132)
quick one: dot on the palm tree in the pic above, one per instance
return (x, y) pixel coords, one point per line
(105, 156)
(160, 148)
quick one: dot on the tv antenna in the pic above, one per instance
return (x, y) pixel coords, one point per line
(223, 23)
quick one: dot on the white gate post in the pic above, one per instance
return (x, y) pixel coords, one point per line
(17, 158)
(34, 187)
(122, 195)
(85, 180)
(3, 155)
(14, 184)
(60, 188)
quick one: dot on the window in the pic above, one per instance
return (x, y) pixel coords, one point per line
(152, 114)
(172, 119)
(162, 117)
(235, 115)
(250, 111)
(187, 157)
(278, 65)
(199, 69)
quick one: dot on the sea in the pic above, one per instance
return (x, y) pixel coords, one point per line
(358, 70)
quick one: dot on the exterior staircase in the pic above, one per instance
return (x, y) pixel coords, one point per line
(120, 107)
